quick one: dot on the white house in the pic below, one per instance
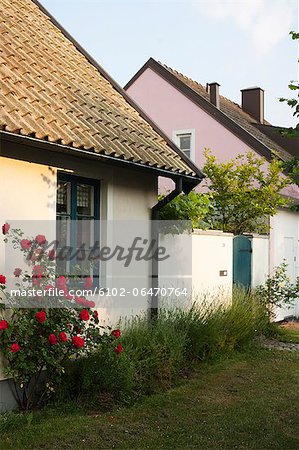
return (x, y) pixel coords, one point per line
(72, 143)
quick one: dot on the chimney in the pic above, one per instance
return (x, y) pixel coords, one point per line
(253, 102)
(214, 94)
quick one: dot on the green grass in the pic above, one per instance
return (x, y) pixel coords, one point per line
(288, 335)
(245, 400)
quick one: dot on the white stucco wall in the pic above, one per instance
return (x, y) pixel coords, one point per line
(28, 193)
(212, 253)
(284, 238)
(260, 260)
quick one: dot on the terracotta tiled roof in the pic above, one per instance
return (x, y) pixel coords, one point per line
(50, 90)
(234, 112)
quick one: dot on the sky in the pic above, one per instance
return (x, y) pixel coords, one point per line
(238, 43)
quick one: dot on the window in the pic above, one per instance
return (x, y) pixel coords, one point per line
(184, 139)
(77, 224)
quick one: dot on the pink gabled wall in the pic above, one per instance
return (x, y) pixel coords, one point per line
(171, 110)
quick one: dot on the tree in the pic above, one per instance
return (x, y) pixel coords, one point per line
(292, 102)
(245, 193)
(194, 207)
(292, 166)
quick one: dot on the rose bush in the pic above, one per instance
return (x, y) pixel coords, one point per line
(37, 340)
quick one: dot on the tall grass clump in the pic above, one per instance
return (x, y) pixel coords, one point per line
(156, 354)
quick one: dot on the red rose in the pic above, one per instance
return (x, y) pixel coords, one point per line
(38, 270)
(25, 244)
(41, 316)
(89, 304)
(77, 329)
(51, 255)
(14, 348)
(3, 325)
(118, 349)
(61, 282)
(5, 228)
(37, 254)
(17, 272)
(40, 239)
(49, 287)
(77, 341)
(62, 336)
(88, 283)
(67, 294)
(52, 339)
(2, 279)
(96, 314)
(116, 333)
(84, 314)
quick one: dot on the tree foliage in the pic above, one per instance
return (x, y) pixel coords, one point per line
(245, 192)
(242, 195)
(194, 207)
(292, 102)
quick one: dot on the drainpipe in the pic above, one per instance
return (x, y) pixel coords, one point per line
(155, 238)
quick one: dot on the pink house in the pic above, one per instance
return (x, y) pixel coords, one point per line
(197, 117)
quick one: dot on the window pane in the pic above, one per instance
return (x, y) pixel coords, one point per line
(85, 240)
(63, 253)
(187, 153)
(85, 196)
(185, 142)
(63, 197)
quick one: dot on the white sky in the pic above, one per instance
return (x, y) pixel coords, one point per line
(239, 43)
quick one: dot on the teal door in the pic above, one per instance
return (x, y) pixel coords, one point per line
(242, 252)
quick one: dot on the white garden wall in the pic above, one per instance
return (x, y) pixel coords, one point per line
(284, 245)
(260, 259)
(212, 263)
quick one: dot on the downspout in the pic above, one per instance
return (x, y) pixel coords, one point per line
(155, 238)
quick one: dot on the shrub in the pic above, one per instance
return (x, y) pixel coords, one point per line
(44, 330)
(157, 354)
(278, 290)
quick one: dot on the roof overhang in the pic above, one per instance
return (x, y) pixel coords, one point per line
(28, 149)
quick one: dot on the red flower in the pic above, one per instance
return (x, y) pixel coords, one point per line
(2, 279)
(14, 348)
(25, 244)
(41, 316)
(84, 314)
(5, 228)
(3, 325)
(96, 314)
(118, 349)
(17, 272)
(88, 283)
(37, 254)
(77, 329)
(116, 333)
(38, 270)
(89, 304)
(40, 239)
(62, 336)
(77, 341)
(52, 339)
(51, 255)
(49, 287)
(61, 282)
(67, 294)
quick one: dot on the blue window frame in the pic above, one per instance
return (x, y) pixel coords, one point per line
(77, 219)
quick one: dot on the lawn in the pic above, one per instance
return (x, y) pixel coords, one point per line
(247, 400)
